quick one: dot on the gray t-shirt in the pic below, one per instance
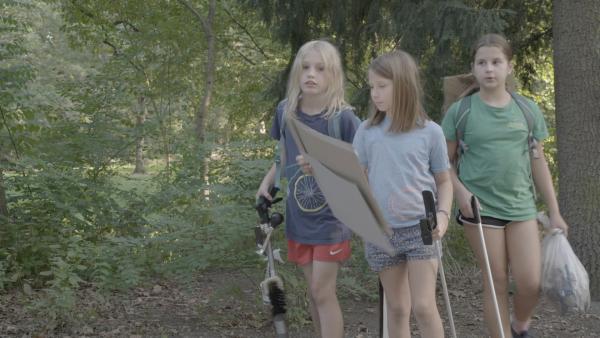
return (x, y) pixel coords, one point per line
(309, 219)
(400, 166)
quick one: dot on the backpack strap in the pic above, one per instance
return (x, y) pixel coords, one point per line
(334, 124)
(464, 109)
(280, 147)
(525, 107)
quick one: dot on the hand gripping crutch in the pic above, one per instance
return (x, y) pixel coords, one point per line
(477, 217)
(427, 225)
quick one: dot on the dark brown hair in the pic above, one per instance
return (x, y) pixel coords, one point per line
(493, 40)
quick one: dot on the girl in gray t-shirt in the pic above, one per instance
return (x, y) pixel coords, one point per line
(404, 153)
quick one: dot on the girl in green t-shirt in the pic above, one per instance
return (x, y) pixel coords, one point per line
(496, 168)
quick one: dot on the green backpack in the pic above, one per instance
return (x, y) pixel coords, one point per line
(464, 109)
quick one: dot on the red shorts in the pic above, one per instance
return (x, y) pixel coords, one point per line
(303, 254)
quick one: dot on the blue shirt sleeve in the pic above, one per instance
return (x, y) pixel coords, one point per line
(359, 145)
(276, 125)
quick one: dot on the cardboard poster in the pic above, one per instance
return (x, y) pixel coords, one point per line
(343, 182)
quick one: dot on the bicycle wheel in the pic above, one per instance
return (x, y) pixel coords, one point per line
(307, 194)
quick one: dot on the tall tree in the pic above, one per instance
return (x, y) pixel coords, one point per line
(140, 118)
(576, 34)
(207, 24)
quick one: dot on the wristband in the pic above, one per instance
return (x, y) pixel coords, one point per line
(445, 213)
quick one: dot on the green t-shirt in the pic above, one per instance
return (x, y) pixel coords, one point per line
(496, 167)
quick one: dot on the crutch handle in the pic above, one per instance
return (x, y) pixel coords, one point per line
(475, 206)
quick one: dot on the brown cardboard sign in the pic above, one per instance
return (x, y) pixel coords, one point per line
(343, 182)
(348, 205)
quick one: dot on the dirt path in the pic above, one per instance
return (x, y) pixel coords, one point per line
(226, 304)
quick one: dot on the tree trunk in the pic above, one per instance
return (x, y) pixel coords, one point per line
(139, 146)
(576, 34)
(209, 71)
(3, 203)
(209, 66)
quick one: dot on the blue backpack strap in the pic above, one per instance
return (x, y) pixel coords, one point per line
(280, 148)
(334, 123)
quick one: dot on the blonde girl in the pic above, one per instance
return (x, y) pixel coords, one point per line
(317, 241)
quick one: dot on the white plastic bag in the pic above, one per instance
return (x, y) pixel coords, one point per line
(564, 279)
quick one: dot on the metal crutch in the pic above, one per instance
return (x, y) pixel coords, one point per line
(427, 225)
(438, 249)
(477, 217)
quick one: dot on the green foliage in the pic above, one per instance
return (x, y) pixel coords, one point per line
(456, 251)
(438, 33)
(73, 75)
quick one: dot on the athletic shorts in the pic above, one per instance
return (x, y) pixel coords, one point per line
(408, 245)
(486, 221)
(303, 254)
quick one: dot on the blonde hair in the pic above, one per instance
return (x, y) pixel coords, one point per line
(334, 73)
(493, 40)
(407, 111)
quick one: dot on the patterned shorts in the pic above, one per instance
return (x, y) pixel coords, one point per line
(409, 247)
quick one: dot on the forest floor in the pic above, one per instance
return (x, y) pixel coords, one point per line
(226, 303)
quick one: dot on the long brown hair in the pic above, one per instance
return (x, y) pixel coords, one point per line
(407, 111)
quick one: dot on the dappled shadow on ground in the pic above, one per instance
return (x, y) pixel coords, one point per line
(226, 303)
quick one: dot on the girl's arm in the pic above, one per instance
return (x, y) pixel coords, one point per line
(543, 183)
(265, 185)
(463, 196)
(443, 183)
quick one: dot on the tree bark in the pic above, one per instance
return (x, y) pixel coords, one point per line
(207, 24)
(576, 37)
(140, 168)
(3, 202)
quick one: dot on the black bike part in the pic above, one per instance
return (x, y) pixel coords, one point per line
(259, 236)
(263, 205)
(475, 207)
(276, 219)
(277, 298)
